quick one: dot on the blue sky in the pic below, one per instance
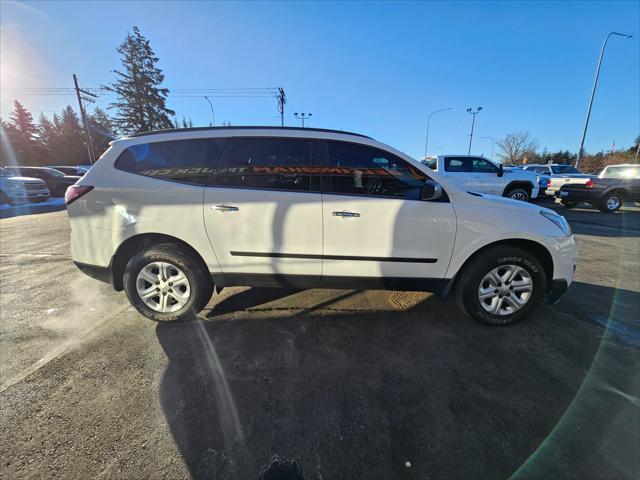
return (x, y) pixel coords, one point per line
(377, 68)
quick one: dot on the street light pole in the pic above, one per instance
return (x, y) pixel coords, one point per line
(303, 117)
(593, 92)
(493, 141)
(213, 120)
(473, 122)
(426, 142)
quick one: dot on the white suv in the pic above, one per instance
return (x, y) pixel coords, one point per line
(168, 215)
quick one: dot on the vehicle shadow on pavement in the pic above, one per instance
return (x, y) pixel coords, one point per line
(593, 222)
(364, 394)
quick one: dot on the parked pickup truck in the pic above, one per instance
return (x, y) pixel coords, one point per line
(15, 189)
(607, 192)
(478, 174)
(558, 175)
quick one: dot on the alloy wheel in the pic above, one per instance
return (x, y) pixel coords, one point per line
(505, 290)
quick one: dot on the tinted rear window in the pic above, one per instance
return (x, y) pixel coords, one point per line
(189, 161)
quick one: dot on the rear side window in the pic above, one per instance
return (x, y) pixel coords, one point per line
(457, 164)
(268, 163)
(362, 170)
(189, 161)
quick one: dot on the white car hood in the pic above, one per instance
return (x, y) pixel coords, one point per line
(499, 202)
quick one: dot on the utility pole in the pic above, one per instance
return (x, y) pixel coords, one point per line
(88, 97)
(593, 92)
(303, 117)
(426, 142)
(282, 99)
(213, 119)
(473, 122)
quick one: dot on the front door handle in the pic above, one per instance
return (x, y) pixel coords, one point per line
(225, 208)
(346, 214)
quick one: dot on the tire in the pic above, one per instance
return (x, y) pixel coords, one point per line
(4, 199)
(501, 259)
(195, 292)
(518, 194)
(610, 203)
(569, 203)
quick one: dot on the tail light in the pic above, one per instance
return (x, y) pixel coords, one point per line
(74, 192)
(589, 183)
(548, 183)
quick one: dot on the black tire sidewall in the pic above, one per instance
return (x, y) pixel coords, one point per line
(491, 259)
(201, 286)
(513, 190)
(603, 205)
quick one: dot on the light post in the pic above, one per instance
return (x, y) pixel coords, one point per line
(593, 92)
(213, 120)
(426, 142)
(303, 117)
(493, 141)
(473, 122)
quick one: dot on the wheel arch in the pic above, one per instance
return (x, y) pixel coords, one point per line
(537, 249)
(136, 243)
(528, 186)
(623, 192)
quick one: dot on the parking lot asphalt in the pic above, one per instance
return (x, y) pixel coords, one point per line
(354, 384)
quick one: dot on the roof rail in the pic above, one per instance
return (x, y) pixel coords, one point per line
(253, 127)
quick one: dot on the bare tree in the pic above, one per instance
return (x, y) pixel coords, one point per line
(516, 147)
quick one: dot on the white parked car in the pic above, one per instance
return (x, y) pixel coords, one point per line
(478, 174)
(15, 189)
(168, 215)
(558, 175)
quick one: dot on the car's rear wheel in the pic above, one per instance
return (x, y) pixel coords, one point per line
(518, 194)
(501, 285)
(166, 284)
(610, 203)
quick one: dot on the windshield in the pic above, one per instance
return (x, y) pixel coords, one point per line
(622, 172)
(563, 169)
(6, 173)
(54, 172)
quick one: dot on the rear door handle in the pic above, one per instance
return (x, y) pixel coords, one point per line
(225, 208)
(346, 214)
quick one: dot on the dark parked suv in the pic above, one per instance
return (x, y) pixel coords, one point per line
(57, 182)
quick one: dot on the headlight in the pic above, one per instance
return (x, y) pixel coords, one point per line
(14, 186)
(558, 220)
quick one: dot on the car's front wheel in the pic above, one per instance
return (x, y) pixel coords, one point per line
(166, 284)
(518, 194)
(610, 203)
(501, 285)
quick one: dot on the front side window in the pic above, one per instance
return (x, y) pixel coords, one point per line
(268, 163)
(189, 161)
(480, 165)
(361, 170)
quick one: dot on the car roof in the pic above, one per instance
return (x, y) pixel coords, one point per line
(253, 127)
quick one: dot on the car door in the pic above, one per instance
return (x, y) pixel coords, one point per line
(263, 212)
(485, 177)
(458, 171)
(375, 224)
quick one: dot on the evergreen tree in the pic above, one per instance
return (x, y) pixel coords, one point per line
(102, 130)
(21, 136)
(184, 122)
(73, 149)
(141, 103)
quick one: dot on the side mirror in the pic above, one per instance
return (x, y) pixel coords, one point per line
(500, 171)
(431, 190)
